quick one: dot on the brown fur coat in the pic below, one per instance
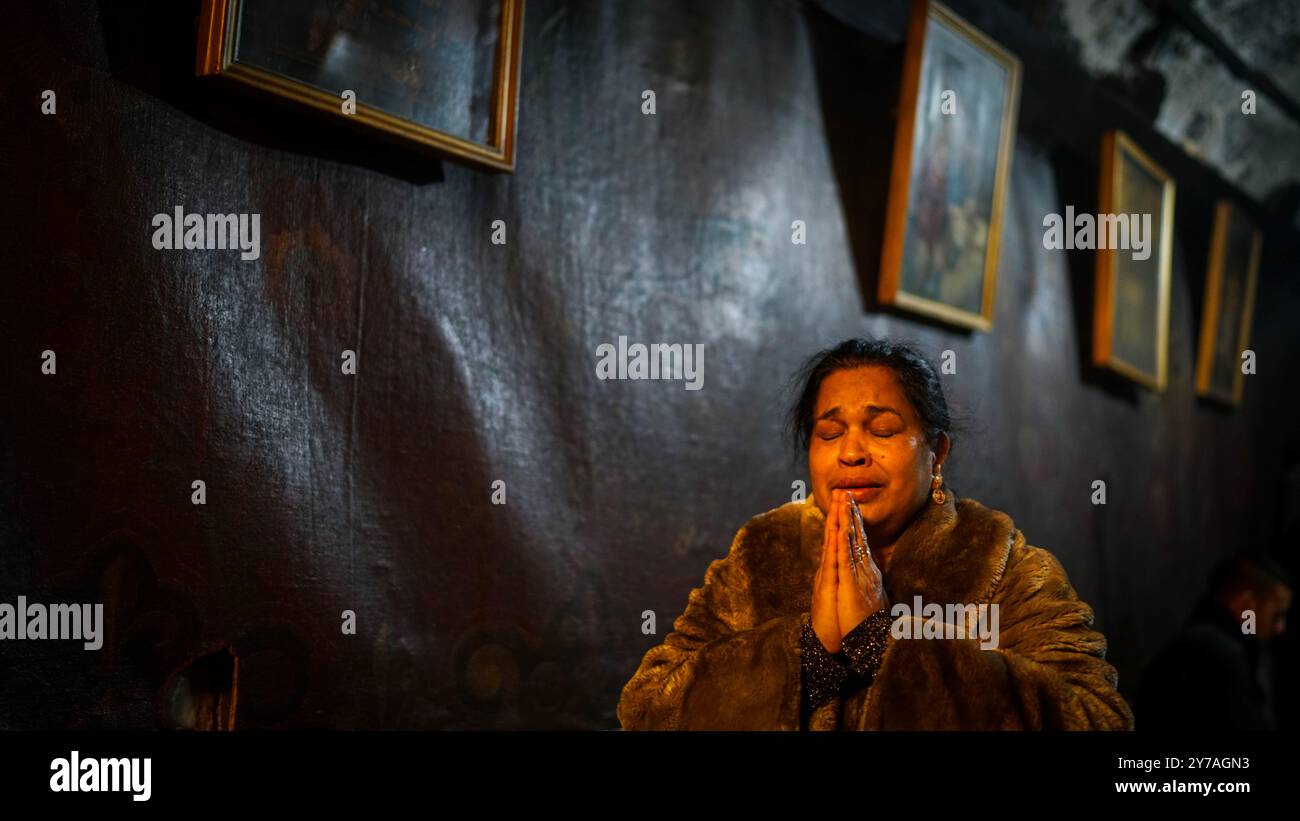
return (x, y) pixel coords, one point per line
(732, 660)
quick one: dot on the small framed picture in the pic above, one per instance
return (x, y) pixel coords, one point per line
(956, 128)
(1229, 301)
(439, 75)
(1133, 241)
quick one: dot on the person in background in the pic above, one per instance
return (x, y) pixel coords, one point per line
(1213, 675)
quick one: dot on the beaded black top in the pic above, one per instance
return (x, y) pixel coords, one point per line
(825, 674)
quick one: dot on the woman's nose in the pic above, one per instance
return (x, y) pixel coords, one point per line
(853, 450)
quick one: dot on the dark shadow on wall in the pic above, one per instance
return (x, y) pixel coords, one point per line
(152, 47)
(857, 90)
(858, 78)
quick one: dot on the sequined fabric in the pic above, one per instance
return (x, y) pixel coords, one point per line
(825, 675)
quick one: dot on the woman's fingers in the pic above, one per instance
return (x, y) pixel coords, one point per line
(875, 585)
(843, 567)
(852, 565)
(866, 562)
(825, 618)
(855, 592)
(830, 553)
(830, 542)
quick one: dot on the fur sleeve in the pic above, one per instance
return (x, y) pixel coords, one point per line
(718, 669)
(1048, 670)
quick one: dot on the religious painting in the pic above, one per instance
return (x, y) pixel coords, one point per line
(1229, 301)
(952, 159)
(439, 75)
(1134, 245)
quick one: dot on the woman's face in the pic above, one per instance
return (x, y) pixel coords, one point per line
(867, 439)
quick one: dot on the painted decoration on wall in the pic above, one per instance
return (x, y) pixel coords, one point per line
(952, 158)
(1134, 241)
(1229, 301)
(440, 75)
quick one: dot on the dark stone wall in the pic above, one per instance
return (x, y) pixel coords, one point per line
(372, 492)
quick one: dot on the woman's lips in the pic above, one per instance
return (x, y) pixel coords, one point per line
(861, 493)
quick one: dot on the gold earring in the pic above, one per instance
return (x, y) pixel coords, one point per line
(935, 492)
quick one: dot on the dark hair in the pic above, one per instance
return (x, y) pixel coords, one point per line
(919, 380)
(1244, 571)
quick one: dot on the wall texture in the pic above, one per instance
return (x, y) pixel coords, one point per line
(372, 492)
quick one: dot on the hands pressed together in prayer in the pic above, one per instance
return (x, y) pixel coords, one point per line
(848, 586)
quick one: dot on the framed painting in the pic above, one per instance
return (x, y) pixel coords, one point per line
(1134, 245)
(1229, 301)
(440, 76)
(957, 112)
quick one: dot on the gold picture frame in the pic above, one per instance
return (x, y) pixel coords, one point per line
(951, 166)
(1126, 293)
(1230, 281)
(219, 37)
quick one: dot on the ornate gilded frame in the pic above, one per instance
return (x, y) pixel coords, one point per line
(889, 292)
(1115, 146)
(1224, 213)
(218, 33)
